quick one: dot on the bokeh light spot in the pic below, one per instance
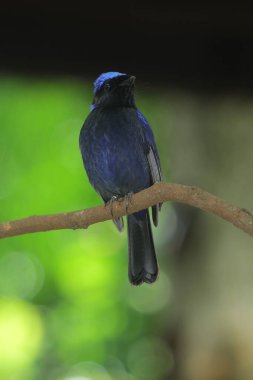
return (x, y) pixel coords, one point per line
(151, 298)
(20, 336)
(21, 275)
(88, 371)
(150, 358)
(89, 262)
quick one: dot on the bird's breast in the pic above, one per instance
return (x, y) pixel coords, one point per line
(113, 152)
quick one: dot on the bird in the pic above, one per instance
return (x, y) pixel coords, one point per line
(120, 157)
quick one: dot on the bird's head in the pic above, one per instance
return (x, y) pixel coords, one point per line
(114, 89)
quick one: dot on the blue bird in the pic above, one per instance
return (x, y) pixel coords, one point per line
(120, 157)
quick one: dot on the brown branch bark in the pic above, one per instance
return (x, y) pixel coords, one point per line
(160, 192)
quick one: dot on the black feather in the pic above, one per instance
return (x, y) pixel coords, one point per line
(142, 258)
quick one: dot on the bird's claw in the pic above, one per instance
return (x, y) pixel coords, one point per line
(110, 203)
(127, 198)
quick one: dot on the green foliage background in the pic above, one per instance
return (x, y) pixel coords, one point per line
(66, 308)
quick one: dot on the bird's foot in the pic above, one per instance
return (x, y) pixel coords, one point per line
(128, 199)
(110, 203)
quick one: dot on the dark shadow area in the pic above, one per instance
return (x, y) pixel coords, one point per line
(206, 47)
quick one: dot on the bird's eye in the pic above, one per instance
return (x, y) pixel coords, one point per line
(107, 87)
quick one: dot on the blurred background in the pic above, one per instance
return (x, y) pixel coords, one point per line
(67, 311)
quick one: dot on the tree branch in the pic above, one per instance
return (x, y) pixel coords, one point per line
(158, 193)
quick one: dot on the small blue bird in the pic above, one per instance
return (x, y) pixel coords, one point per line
(120, 157)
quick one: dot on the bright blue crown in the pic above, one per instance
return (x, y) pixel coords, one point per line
(103, 77)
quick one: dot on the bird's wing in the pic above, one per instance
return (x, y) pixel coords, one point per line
(152, 158)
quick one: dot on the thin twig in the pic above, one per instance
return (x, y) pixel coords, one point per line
(158, 193)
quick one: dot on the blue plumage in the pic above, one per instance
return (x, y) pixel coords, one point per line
(104, 77)
(120, 157)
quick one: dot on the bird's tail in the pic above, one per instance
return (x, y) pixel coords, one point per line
(142, 257)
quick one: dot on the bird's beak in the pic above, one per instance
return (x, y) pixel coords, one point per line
(129, 81)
